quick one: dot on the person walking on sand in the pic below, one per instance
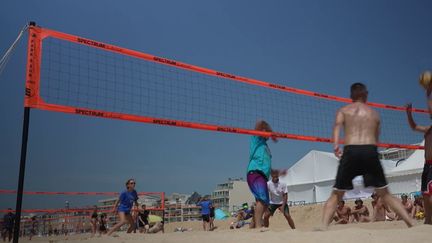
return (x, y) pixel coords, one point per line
(361, 126)
(205, 205)
(123, 206)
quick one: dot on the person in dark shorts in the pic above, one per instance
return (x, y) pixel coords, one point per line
(360, 160)
(102, 224)
(94, 220)
(212, 217)
(426, 180)
(278, 192)
(143, 219)
(205, 205)
(361, 126)
(8, 224)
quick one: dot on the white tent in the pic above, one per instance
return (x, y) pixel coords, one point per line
(406, 177)
(311, 179)
(412, 165)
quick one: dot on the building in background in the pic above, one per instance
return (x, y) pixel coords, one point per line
(182, 208)
(231, 195)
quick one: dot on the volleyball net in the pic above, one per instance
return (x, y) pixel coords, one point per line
(71, 74)
(74, 218)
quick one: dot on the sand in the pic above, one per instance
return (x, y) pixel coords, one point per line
(305, 217)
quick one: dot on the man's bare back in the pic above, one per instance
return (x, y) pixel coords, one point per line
(361, 124)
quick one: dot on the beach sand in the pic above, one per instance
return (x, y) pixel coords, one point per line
(305, 217)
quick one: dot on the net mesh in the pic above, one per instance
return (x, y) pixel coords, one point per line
(82, 76)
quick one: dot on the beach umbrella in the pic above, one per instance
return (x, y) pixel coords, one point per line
(220, 215)
(154, 218)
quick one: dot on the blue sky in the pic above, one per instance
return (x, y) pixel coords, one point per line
(322, 46)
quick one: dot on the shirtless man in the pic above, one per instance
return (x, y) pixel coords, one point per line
(342, 213)
(379, 209)
(360, 156)
(407, 204)
(426, 185)
(360, 212)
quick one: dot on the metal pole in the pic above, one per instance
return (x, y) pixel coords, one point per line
(21, 174)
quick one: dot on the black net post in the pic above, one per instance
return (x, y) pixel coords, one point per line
(21, 174)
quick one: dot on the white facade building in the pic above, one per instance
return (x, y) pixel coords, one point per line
(229, 196)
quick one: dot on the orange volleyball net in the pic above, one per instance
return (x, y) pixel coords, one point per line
(77, 218)
(71, 74)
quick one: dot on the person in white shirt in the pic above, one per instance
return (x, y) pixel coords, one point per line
(278, 199)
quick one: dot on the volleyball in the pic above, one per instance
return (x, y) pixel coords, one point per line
(425, 79)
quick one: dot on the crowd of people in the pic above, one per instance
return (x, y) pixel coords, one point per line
(360, 213)
(136, 218)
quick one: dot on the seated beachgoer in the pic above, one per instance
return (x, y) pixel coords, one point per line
(243, 215)
(407, 204)
(342, 213)
(418, 208)
(159, 226)
(378, 208)
(360, 213)
(102, 224)
(143, 219)
(380, 211)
